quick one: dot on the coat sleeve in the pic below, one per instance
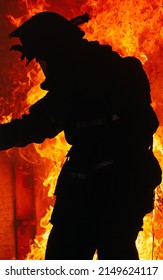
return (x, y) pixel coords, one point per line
(41, 122)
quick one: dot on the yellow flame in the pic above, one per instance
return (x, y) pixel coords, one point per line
(130, 27)
(37, 249)
(6, 119)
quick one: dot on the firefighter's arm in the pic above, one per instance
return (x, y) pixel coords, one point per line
(34, 127)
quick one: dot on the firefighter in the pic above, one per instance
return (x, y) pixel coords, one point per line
(102, 103)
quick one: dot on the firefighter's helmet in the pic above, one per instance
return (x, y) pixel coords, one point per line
(47, 31)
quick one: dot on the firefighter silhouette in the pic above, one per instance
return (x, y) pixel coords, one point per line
(102, 103)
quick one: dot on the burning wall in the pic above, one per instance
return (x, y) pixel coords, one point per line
(132, 28)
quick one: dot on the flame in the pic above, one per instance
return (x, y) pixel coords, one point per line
(6, 119)
(39, 246)
(130, 28)
(30, 10)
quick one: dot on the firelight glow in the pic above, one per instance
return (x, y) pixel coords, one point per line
(132, 28)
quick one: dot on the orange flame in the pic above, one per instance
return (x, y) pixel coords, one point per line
(131, 28)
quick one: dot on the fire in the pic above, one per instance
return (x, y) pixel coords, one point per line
(131, 28)
(128, 26)
(6, 119)
(39, 246)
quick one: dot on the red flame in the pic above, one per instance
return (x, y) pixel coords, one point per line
(132, 28)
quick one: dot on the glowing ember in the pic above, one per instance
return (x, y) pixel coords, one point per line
(131, 28)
